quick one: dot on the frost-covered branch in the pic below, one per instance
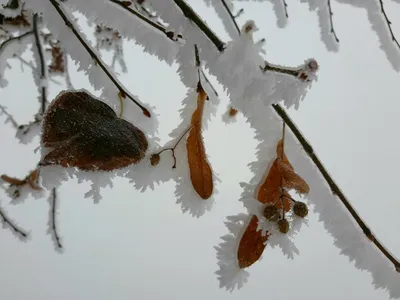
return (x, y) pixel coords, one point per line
(331, 21)
(9, 117)
(231, 16)
(170, 35)
(192, 15)
(389, 24)
(8, 223)
(333, 186)
(7, 51)
(42, 64)
(53, 229)
(156, 25)
(97, 59)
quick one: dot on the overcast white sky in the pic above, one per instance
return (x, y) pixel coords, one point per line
(141, 246)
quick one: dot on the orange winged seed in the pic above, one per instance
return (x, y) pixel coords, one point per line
(200, 169)
(12, 180)
(251, 245)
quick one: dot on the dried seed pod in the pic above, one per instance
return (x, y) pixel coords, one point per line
(271, 212)
(155, 159)
(300, 209)
(283, 225)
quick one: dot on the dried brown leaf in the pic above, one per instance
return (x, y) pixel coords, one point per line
(87, 134)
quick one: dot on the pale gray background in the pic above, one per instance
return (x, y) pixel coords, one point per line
(141, 246)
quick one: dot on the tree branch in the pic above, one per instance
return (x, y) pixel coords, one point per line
(42, 63)
(309, 150)
(162, 29)
(331, 21)
(9, 223)
(192, 15)
(333, 186)
(14, 38)
(52, 219)
(389, 24)
(10, 118)
(285, 8)
(156, 25)
(231, 16)
(97, 59)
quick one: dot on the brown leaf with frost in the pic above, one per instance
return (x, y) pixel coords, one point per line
(252, 245)
(281, 175)
(86, 133)
(200, 169)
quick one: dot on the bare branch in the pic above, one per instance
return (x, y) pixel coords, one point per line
(389, 24)
(7, 222)
(232, 17)
(30, 65)
(145, 19)
(66, 72)
(285, 8)
(14, 38)
(10, 118)
(42, 62)
(53, 221)
(97, 59)
(331, 21)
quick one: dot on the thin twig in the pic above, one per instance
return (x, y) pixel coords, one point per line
(231, 16)
(160, 28)
(7, 222)
(9, 116)
(333, 186)
(331, 21)
(97, 59)
(42, 62)
(285, 8)
(14, 38)
(30, 65)
(172, 149)
(156, 25)
(389, 24)
(53, 221)
(68, 81)
(189, 13)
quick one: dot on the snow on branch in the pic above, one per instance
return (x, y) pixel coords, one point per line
(241, 56)
(70, 24)
(121, 16)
